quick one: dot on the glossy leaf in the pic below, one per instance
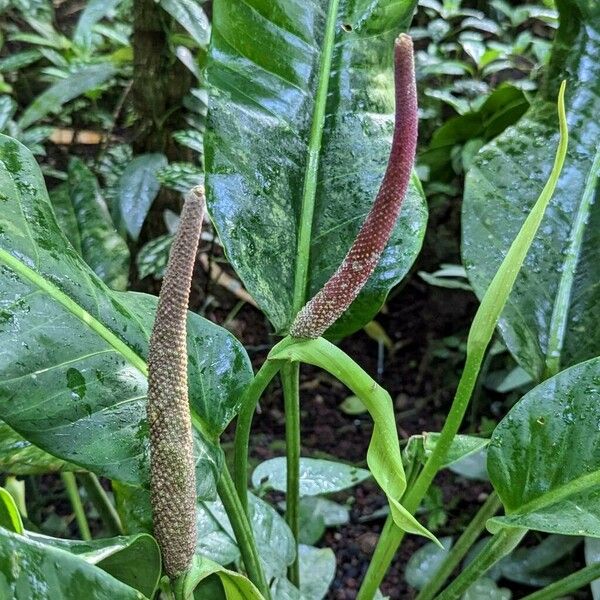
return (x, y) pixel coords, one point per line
(191, 17)
(137, 189)
(317, 476)
(486, 588)
(424, 563)
(72, 358)
(134, 560)
(83, 80)
(235, 585)
(20, 457)
(544, 460)
(316, 514)
(216, 540)
(550, 320)
(84, 218)
(273, 74)
(9, 513)
(31, 569)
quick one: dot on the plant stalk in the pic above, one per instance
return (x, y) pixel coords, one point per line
(498, 547)
(70, 484)
(291, 395)
(243, 532)
(568, 584)
(102, 503)
(470, 535)
(244, 424)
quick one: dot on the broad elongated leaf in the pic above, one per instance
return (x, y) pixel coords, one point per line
(544, 459)
(51, 101)
(135, 560)
(235, 586)
(94, 11)
(20, 457)
(550, 320)
(31, 569)
(317, 476)
(137, 188)
(189, 14)
(216, 539)
(274, 72)
(592, 556)
(72, 353)
(84, 218)
(9, 513)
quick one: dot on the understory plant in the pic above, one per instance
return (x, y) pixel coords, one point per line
(122, 387)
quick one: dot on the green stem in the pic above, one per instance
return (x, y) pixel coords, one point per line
(391, 536)
(569, 584)
(101, 501)
(470, 535)
(73, 493)
(244, 424)
(312, 163)
(498, 547)
(243, 532)
(291, 395)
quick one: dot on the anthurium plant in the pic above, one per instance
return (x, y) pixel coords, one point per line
(320, 214)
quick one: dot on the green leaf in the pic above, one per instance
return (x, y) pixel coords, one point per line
(316, 514)
(135, 560)
(136, 190)
(83, 80)
(301, 115)
(424, 563)
(543, 458)
(20, 457)
(152, 257)
(383, 455)
(503, 107)
(486, 588)
(543, 564)
(462, 446)
(9, 513)
(189, 14)
(317, 570)
(72, 365)
(31, 569)
(84, 218)
(317, 476)
(235, 585)
(216, 539)
(94, 11)
(550, 320)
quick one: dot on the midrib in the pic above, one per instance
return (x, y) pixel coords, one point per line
(560, 310)
(85, 317)
(312, 162)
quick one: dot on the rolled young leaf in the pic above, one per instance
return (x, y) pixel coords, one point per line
(172, 476)
(362, 258)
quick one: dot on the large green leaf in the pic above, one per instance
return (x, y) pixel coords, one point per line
(20, 457)
(216, 539)
(544, 456)
(550, 320)
(134, 560)
(72, 353)
(30, 569)
(275, 69)
(84, 218)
